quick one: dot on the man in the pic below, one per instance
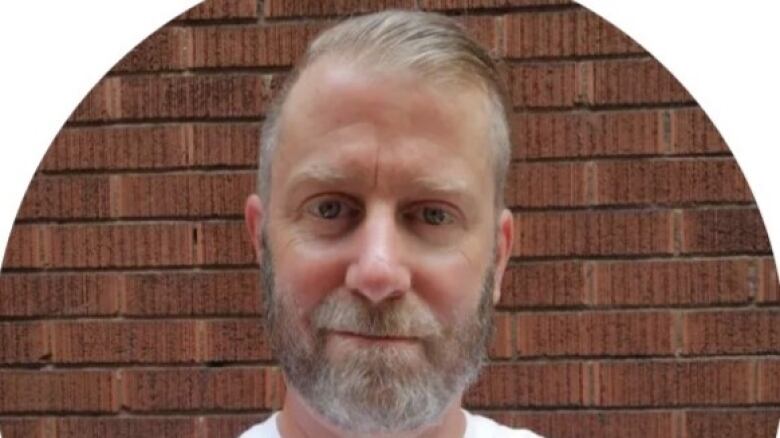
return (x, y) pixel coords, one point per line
(381, 230)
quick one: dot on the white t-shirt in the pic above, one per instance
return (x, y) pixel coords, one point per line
(477, 426)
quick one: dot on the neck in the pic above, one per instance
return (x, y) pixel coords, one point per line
(298, 420)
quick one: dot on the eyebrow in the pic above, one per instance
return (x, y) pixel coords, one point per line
(324, 175)
(319, 174)
(329, 176)
(437, 185)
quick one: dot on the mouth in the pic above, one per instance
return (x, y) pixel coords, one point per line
(365, 338)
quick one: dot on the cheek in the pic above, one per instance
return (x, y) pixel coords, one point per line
(451, 285)
(307, 275)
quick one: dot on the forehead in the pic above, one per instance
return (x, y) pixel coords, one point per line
(341, 118)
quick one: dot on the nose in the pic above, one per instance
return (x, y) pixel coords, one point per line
(378, 271)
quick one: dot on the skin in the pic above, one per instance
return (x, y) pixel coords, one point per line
(403, 165)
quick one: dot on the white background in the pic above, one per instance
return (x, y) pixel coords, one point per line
(724, 52)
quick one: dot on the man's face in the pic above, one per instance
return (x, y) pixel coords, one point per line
(380, 245)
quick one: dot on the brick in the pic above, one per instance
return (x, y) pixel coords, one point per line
(597, 36)
(595, 334)
(154, 147)
(592, 233)
(731, 423)
(580, 134)
(527, 385)
(165, 49)
(692, 132)
(672, 283)
(251, 46)
(187, 389)
(549, 284)
(139, 97)
(635, 82)
(769, 289)
(719, 231)
(545, 34)
(732, 332)
(444, 5)
(225, 243)
(501, 342)
(101, 103)
(113, 245)
(658, 384)
(23, 342)
(30, 295)
(276, 84)
(62, 391)
(483, 29)
(543, 85)
(162, 427)
(319, 8)
(25, 247)
(564, 33)
(235, 341)
(193, 294)
(670, 182)
(117, 148)
(124, 342)
(535, 185)
(229, 426)
(26, 427)
(225, 144)
(70, 197)
(183, 195)
(222, 10)
(624, 424)
(212, 95)
(768, 381)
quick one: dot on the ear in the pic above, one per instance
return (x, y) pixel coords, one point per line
(253, 219)
(506, 230)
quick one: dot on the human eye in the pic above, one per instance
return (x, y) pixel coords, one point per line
(432, 215)
(435, 216)
(436, 223)
(330, 208)
(327, 209)
(328, 214)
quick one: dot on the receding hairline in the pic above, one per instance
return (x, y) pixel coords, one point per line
(475, 97)
(437, 88)
(441, 54)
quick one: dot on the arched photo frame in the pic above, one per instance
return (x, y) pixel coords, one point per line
(642, 298)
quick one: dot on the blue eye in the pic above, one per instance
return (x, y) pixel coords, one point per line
(329, 209)
(436, 216)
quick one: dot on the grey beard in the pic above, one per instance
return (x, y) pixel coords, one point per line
(380, 389)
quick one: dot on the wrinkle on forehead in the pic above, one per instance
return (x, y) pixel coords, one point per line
(412, 124)
(330, 93)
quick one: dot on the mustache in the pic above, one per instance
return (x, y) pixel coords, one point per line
(345, 312)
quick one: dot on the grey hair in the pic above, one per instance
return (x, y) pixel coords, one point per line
(431, 45)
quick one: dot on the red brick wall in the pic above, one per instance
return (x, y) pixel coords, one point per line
(642, 299)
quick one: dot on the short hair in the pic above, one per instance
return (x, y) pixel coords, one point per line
(433, 46)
